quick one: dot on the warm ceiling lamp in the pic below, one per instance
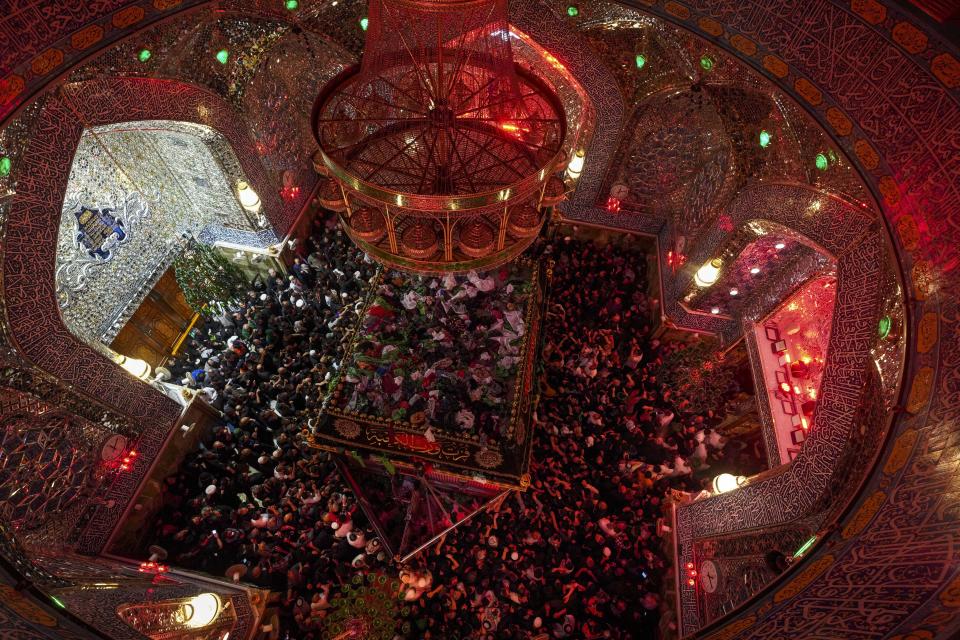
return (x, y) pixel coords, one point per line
(708, 273)
(248, 198)
(438, 145)
(726, 482)
(575, 167)
(134, 366)
(200, 610)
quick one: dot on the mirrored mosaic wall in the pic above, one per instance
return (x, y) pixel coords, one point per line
(141, 189)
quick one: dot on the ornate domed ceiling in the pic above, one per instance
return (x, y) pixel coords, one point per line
(693, 113)
(688, 138)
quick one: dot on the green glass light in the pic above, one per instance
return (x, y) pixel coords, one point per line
(804, 547)
(706, 62)
(5, 165)
(291, 5)
(641, 60)
(764, 139)
(222, 56)
(144, 55)
(822, 162)
(886, 324)
(573, 11)
(58, 602)
(364, 23)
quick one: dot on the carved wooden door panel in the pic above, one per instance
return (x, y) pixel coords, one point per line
(156, 327)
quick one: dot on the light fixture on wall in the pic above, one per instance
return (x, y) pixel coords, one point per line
(134, 366)
(248, 198)
(708, 273)
(200, 610)
(575, 168)
(726, 482)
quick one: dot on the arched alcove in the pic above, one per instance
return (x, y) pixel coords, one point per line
(138, 194)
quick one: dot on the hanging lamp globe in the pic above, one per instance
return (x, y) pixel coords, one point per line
(524, 221)
(368, 224)
(476, 238)
(553, 192)
(419, 240)
(331, 196)
(441, 133)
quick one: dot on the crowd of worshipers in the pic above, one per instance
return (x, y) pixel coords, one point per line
(575, 556)
(442, 351)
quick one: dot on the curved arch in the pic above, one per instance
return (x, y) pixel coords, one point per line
(675, 159)
(198, 193)
(36, 328)
(907, 156)
(568, 46)
(754, 298)
(855, 240)
(797, 207)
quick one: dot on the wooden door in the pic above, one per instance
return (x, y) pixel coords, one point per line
(156, 327)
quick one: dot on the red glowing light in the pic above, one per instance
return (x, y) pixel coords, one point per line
(124, 467)
(289, 193)
(691, 582)
(785, 387)
(554, 62)
(675, 260)
(133, 454)
(689, 565)
(514, 128)
(153, 567)
(693, 573)
(613, 205)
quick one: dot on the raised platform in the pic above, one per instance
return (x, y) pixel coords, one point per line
(441, 371)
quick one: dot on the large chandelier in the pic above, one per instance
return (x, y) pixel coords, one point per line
(440, 150)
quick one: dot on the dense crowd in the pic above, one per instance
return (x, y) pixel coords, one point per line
(441, 351)
(575, 556)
